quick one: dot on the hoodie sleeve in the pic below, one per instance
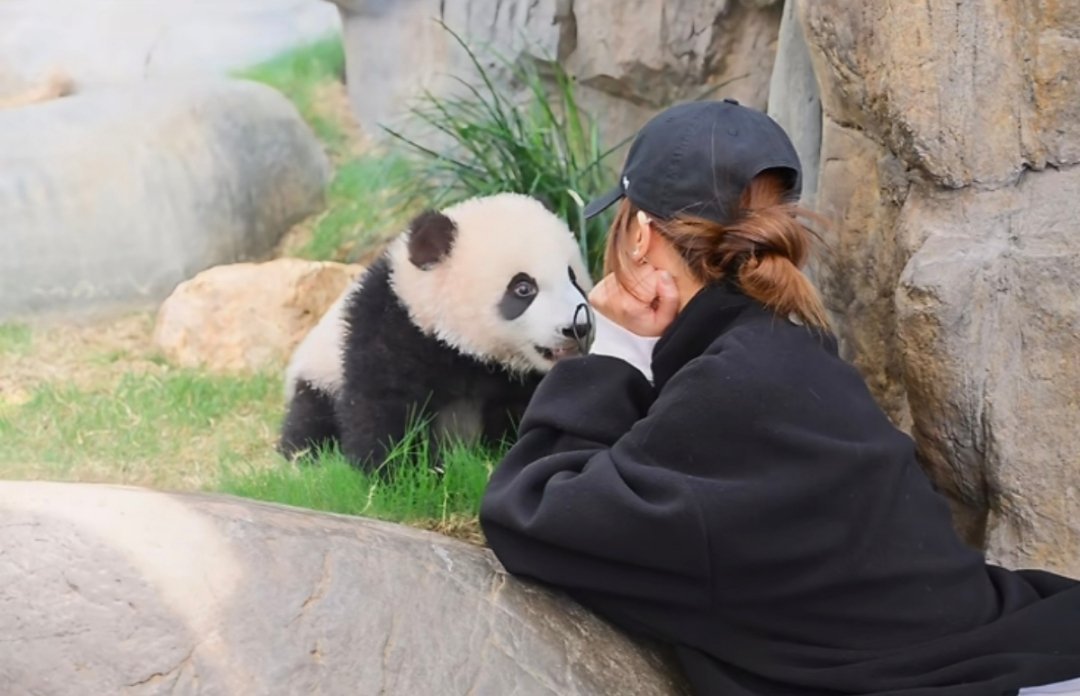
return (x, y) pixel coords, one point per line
(612, 339)
(581, 502)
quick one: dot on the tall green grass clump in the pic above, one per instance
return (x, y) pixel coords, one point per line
(413, 492)
(546, 147)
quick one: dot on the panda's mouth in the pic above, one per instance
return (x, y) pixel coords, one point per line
(555, 354)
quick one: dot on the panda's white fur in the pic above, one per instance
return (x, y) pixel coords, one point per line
(456, 299)
(317, 359)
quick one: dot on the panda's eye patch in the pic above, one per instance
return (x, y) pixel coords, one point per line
(520, 292)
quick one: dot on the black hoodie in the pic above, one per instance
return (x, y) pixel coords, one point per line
(758, 511)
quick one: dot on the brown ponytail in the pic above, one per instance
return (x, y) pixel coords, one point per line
(766, 246)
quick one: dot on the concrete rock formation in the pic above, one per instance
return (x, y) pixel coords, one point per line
(115, 196)
(950, 135)
(629, 58)
(247, 316)
(111, 590)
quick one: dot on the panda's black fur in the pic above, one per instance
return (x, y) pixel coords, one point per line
(393, 372)
(311, 421)
(426, 372)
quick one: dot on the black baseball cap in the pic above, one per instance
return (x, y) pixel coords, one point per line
(697, 159)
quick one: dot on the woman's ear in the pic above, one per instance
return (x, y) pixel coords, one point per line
(643, 233)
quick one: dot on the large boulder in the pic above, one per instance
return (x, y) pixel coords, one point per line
(115, 196)
(630, 59)
(110, 41)
(110, 590)
(950, 133)
(247, 316)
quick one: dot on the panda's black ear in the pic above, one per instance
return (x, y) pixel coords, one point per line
(431, 236)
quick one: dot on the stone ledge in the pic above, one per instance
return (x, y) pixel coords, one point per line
(120, 590)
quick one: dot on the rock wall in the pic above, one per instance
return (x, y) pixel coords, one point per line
(629, 58)
(111, 590)
(949, 139)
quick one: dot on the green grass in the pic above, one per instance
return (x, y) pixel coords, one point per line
(178, 429)
(547, 147)
(171, 430)
(414, 493)
(15, 339)
(298, 74)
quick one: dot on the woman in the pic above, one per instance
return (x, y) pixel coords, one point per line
(713, 475)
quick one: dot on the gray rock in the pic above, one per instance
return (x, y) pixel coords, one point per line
(861, 185)
(948, 167)
(657, 52)
(116, 196)
(109, 590)
(968, 93)
(108, 41)
(990, 329)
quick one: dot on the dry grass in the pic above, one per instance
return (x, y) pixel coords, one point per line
(331, 101)
(461, 527)
(83, 354)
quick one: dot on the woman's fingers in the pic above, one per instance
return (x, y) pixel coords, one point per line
(647, 310)
(601, 296)
(667, 300)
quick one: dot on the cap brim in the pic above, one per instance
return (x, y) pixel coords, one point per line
(603, 202)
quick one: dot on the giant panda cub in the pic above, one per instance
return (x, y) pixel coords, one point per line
(456, 321)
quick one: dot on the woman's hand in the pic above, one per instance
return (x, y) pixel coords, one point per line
(648, 316)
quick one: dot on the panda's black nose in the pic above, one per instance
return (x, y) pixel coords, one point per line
(576, 330)
(581, 327)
